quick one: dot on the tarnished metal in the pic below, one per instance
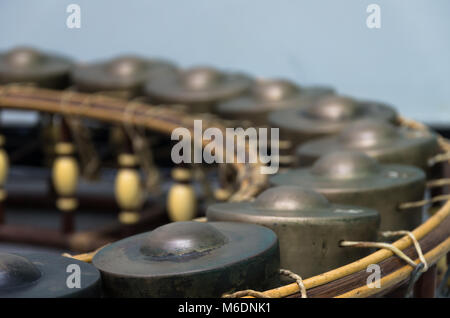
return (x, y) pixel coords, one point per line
(190, 259)
(309, 228)
(378, 139)
(349, 177)
(46, 276)
(28, 65)
(267, 95)
(328, 115)
(124, 74)
(200, 87)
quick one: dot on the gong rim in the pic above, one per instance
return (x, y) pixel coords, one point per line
(333, 213)
(389, 176)
(248, 103)
(123, 258)
(295, 120)
(99, 76)
(170, 89)
(36, 67)
(405, 140)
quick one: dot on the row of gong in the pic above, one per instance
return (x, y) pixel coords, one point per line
(301, 113)
(364, 164)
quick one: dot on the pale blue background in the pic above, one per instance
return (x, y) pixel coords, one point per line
(406, 62)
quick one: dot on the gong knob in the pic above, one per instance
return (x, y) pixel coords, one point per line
(202, 77)
(345, 165)
(274, 90)
(125, 66)
(368, 133)
(180, 239)
(334, 108)
(16, 271)
(23, 57)
(290, 198)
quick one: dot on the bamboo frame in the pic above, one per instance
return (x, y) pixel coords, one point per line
(160, 118)
(399, 275)
(110, 109)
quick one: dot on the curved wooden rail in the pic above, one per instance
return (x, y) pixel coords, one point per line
(161, 118)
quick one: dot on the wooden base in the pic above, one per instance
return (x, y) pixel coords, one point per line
(86, 241)
(426, 285)
(103, 203)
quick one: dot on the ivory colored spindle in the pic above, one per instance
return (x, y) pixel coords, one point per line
(181, 199)
(65, 176)
(128, 189)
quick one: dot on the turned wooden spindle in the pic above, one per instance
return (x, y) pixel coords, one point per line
(65, 174)
(128, 190)
(181, 199)
(4, 167)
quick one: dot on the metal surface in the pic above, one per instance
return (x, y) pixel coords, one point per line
(125, 74)
(327, 116)
(28, 65)
(378, 139)
(267, 95)
(199, 87)
(45, 276)
(350, 177)
(190, 259)
(309, 228)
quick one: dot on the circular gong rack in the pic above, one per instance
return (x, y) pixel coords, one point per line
(346, 281)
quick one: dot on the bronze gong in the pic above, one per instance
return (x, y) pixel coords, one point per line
(123, 75)
(328, 115)
(190, 259)
(28, 65)
(378, 139)
(200, 87)
(349, 177)
(46, 276)
(309, 228)
(266, 95)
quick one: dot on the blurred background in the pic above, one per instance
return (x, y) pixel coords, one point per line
(406, 62)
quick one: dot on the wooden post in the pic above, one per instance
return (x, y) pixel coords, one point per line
(426, 285)
(128, 191)
(181, 199)
(65, 175)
